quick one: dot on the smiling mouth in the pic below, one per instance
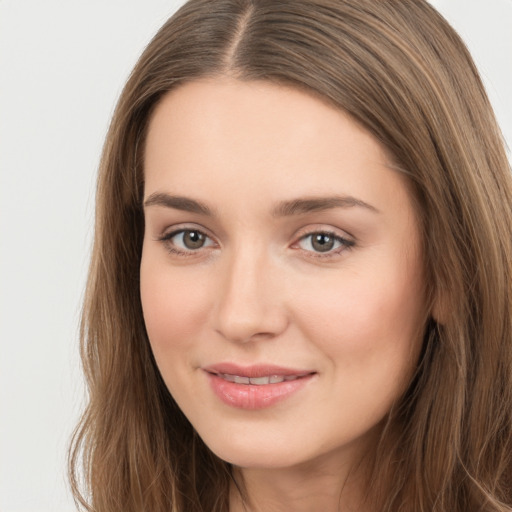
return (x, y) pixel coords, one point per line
(258, 381)
(257, 387)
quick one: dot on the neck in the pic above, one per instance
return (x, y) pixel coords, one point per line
(316, 485)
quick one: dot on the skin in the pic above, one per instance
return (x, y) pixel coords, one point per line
(259, 291)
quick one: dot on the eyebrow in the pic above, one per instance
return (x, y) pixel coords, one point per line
(284, 209)
(178, 203)
(316, 204)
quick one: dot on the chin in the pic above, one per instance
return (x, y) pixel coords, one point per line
(248, 454)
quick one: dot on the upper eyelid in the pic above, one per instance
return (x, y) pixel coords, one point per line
(323, 228)
(178, 228)
(324, 232)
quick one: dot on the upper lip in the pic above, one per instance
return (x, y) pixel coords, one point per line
(257, 370)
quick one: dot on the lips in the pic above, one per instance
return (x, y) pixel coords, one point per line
(257, 386)
(257, 370)
(258, 381)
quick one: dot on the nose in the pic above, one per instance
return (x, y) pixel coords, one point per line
(250, 304)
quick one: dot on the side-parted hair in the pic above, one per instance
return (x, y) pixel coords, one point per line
(402, 72)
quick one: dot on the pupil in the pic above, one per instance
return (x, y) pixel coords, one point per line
(193, 239)
(322, 242)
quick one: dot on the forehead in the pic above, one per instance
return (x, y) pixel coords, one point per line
(209, 107)
(258, 139)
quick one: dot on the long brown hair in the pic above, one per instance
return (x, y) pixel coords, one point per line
(401, 71)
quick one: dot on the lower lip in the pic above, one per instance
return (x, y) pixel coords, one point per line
(251, 396)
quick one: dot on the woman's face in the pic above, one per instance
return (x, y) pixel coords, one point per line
(281, 273)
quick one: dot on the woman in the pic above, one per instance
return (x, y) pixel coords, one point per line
(300, 289)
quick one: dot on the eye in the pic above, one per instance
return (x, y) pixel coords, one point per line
(186, 241)
(324, 243)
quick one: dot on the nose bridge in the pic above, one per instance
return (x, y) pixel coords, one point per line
(248, 303)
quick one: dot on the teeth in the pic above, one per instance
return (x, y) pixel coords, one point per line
(258, 381)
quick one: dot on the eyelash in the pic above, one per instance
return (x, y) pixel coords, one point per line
(166, 240)
(345, 244)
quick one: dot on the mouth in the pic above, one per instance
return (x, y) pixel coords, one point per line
(258, 381)
(256, 387)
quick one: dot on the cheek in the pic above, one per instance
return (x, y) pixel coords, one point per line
(174, 307)
(367, 323)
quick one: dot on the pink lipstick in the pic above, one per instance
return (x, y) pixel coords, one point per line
(255, 387)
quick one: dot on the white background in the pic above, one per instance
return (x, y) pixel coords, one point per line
(62, 66)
